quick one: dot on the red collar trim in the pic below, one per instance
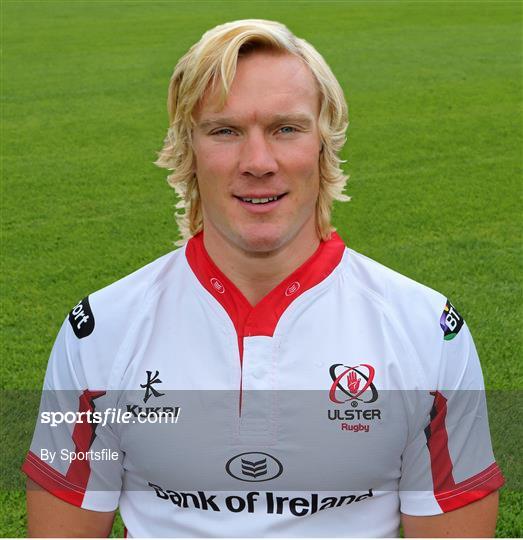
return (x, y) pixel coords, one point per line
(261, 320)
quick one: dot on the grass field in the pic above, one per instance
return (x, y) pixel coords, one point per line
(434, 155)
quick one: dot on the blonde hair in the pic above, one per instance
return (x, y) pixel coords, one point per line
(212, 61)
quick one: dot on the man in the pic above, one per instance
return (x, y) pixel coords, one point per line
(318, 393)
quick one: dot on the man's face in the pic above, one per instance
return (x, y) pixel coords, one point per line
(257, 159)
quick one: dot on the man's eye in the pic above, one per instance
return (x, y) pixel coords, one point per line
(223, 131)
(288, 129)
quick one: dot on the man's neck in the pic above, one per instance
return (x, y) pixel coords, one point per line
(256, 274)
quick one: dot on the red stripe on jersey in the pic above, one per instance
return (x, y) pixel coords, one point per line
(83, 437)
(449, 494)
(261, 320)
(472, 489)
(71, 486)
(52, 481)
(438, 444)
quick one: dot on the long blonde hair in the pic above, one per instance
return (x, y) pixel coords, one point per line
(212, 61)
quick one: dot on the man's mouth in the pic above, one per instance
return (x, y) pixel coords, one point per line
(261, 200)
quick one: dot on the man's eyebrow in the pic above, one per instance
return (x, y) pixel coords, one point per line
(299, 118)
(221, 121)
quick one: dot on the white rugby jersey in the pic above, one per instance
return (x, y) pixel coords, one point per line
(346, 395)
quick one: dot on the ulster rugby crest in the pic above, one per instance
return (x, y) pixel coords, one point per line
(352, 383)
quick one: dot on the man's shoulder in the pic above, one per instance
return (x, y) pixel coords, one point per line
(418, 319)
(388, 285)
(138, 286)
(101, 322)
(407, 304)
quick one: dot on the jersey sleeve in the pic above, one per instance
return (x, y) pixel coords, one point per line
(74, 452)
(449, 462)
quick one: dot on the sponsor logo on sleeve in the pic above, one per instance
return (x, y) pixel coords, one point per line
(450, 321)
(81, 319)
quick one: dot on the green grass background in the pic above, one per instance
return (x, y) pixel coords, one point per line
(434, 154)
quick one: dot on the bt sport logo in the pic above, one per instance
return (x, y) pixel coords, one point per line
(450, 321)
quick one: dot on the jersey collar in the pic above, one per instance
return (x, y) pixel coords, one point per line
(261, 319)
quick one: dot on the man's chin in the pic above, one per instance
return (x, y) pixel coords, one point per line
(261, 243)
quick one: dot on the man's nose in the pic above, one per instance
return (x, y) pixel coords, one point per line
(257, 157)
